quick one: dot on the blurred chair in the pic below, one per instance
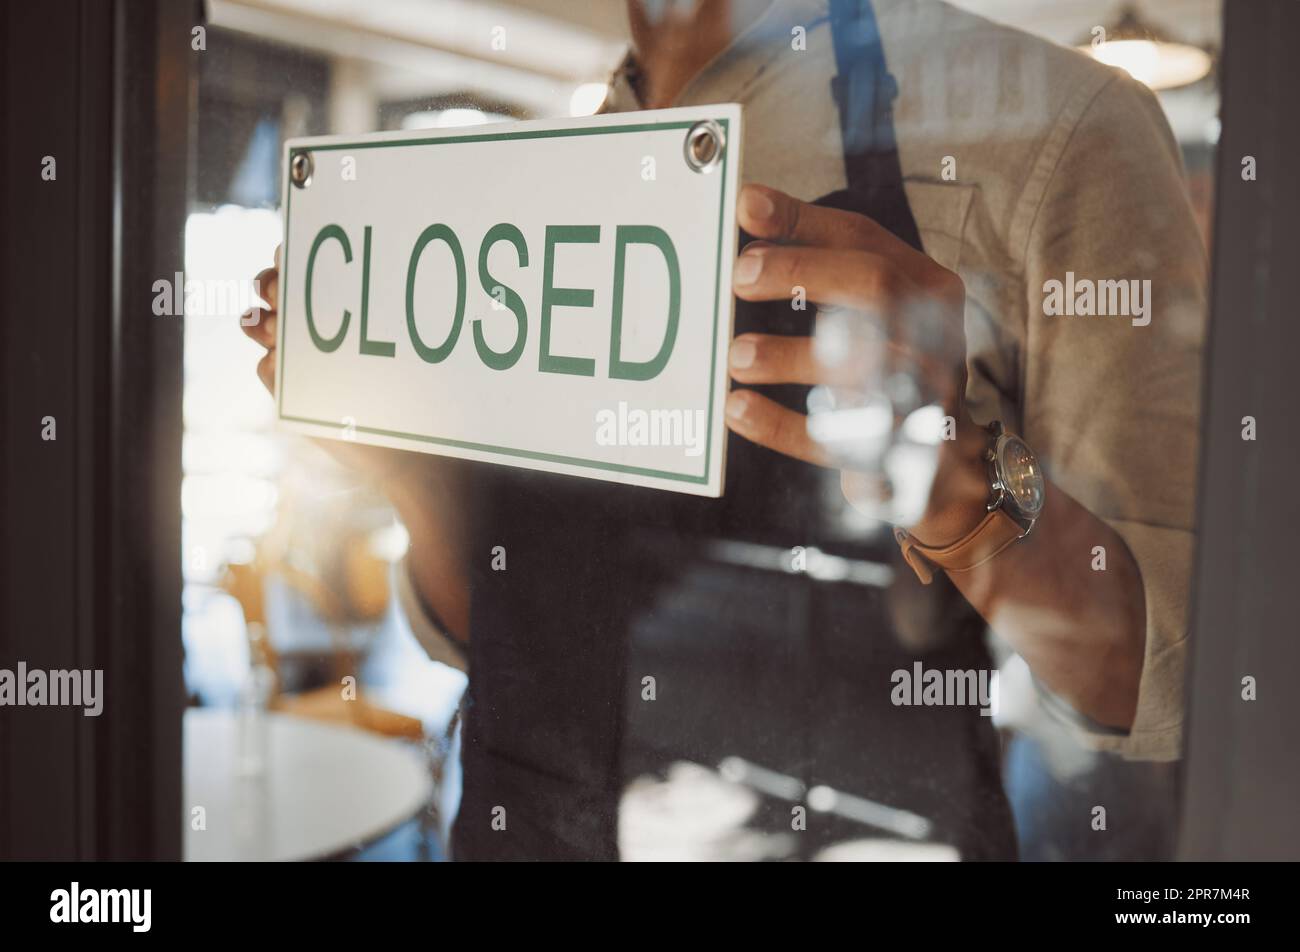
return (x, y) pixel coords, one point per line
(365, 587)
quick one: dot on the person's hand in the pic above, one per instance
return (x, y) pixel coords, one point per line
(259, 323)
(846, 261)
(383, 466)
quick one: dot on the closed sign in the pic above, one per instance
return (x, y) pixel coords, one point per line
(552, 295)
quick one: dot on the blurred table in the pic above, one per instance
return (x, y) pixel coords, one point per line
(325, 788)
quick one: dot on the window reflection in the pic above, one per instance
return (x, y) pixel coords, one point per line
(290, 558)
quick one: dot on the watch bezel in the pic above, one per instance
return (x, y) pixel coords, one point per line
(1001, 496)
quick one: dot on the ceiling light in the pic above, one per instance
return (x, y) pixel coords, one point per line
(1145, 54)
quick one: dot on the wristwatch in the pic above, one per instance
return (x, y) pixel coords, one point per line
(1016, 493)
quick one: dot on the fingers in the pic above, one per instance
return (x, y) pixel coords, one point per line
(855, 279)
(769, 424)
(774, 358)
(792, 359)
(784, 358)
(266, 370)
(260, 324)
(267, 283)
(766, 213)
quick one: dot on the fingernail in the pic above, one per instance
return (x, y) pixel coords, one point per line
(748, 267)
(742, 353)
(757, 205)
(737, 404)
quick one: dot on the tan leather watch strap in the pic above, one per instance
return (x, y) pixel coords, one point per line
(995, 532)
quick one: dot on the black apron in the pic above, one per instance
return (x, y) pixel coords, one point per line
(606, 585)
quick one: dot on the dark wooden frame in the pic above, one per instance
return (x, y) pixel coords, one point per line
(91, 521)
(1242, 772)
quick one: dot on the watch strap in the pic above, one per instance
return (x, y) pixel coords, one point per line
(995, 532)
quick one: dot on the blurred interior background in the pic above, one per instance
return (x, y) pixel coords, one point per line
(288, 561)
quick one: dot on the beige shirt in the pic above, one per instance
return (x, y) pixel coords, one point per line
(1023, 161)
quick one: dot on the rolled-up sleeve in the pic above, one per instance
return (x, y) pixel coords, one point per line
(1111, 405)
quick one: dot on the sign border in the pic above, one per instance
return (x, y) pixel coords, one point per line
(295, 147)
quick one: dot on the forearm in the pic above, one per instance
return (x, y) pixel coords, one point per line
(1081, 630)
(429, 505)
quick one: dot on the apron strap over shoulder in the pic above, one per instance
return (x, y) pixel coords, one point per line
(864, 91)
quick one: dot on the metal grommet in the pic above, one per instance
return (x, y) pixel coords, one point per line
(704, 146)
(300, 168)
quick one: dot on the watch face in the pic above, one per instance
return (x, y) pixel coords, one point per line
(1020, 475)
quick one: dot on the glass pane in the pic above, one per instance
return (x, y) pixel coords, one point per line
(944, 618)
